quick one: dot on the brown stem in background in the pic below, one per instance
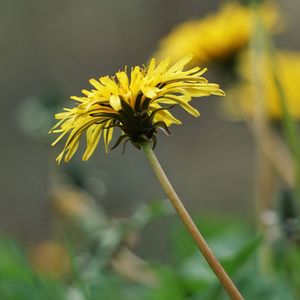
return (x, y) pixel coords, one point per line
(260, 126)
(278, 154)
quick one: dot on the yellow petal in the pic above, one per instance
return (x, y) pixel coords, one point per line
(115, 102)
(93, 135)
(95, 83)
(151, 67)
(178, 67)
(149, 92)
(183, 102)
(108, 133)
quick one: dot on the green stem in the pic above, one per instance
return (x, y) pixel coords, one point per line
(288, 123)
(223, 277)
(264, 169)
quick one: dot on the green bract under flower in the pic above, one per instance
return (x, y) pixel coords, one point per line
(138, 103)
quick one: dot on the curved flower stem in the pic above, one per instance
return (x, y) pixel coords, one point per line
(223, 277)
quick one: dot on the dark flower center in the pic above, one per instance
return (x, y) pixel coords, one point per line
(137, 124)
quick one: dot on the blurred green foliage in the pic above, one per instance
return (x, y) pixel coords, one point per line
(35, 114)
(94, 255)
(19, 281)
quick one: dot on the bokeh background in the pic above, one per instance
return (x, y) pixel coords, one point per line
(54, 47)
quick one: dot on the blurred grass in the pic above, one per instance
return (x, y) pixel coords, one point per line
(186, 277)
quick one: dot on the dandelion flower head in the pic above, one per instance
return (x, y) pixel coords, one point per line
(240, 103)
(136, 102)
(217, 36)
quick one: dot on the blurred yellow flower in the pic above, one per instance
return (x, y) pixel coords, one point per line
(240, 102)
(217, 36)
(138, 104)
(50, 258)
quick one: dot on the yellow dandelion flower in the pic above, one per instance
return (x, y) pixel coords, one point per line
(217, 36)
(240, 102)
(138, 103)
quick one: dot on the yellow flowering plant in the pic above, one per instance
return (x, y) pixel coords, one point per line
(240, 103)
(217, 36)
(137, 103)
